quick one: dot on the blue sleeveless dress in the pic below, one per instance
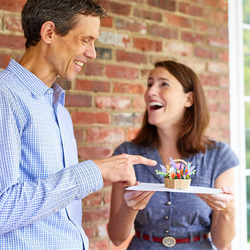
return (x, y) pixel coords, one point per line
(180, 215)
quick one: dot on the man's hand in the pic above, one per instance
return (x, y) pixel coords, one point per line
(120, 169)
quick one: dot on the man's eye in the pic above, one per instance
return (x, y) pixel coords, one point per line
(85, 41)
(165, 84)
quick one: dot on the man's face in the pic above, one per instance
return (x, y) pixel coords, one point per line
(68, 54)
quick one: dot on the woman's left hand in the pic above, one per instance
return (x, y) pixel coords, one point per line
(222, 202)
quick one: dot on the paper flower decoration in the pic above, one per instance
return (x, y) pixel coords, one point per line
(177, 169)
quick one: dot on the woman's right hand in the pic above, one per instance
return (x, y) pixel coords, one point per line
(125, 204)
(137, 200)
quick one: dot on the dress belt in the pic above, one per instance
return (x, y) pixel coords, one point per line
(170, 241)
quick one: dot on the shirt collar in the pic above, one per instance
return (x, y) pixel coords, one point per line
(33, 83)
(59, 92)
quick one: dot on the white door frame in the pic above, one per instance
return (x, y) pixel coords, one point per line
(237, 117)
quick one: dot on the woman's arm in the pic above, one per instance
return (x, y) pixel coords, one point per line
(124, 208)
(223, 227)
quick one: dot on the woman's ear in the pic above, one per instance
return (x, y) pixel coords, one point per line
(190, 99)
(47, 31)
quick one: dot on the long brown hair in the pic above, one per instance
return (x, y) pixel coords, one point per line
(192, 137)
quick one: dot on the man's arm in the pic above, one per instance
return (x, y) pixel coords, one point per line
(26, 202)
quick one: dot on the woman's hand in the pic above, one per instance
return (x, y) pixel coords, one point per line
(222, 202)
(137, 200)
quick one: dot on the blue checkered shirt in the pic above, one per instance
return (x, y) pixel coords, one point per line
(42, 183)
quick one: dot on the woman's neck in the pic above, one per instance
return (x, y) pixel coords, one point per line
(168, 146)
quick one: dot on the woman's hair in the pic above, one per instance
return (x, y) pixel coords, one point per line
(62, 12)
(195, 120)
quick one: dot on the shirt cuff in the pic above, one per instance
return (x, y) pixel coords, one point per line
(89, 178)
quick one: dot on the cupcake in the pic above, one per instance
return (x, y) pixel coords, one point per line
(177, 174)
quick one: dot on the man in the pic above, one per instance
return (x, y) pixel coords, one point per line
(42, 183)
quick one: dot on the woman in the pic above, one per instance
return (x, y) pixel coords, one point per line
(174, 125)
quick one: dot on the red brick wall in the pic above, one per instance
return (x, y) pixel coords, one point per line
(106, 100)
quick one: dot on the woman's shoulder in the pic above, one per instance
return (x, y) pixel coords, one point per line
(219, 147)
(217, 153)
(221, 152)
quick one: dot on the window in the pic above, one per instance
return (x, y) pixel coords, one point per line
(246, 58)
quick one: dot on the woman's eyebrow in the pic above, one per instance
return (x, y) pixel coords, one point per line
(163, 79)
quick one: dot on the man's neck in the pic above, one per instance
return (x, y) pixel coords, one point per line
(34, 61)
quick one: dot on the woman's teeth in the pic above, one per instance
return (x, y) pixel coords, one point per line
(155, 105)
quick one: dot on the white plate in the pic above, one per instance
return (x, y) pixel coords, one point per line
(161, 187)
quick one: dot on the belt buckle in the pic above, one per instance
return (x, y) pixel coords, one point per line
(169, 241)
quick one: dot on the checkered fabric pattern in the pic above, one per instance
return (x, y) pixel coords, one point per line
(42, 183)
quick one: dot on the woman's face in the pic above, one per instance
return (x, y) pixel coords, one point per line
(165, 99)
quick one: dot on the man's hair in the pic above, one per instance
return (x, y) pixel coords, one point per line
(195, 120)
(62, 13)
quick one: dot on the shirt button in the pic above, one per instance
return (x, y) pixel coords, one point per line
(166, 217)
(49, 91)
(169, 203)
(167, 231)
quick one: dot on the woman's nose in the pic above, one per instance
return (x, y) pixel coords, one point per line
(152, 90)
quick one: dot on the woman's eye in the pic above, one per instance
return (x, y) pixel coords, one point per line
(165, 84)
(150, 85)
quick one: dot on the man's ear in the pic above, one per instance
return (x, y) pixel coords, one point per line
(47, 31)
(190, 99)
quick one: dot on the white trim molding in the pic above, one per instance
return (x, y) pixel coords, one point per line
(237, 117)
